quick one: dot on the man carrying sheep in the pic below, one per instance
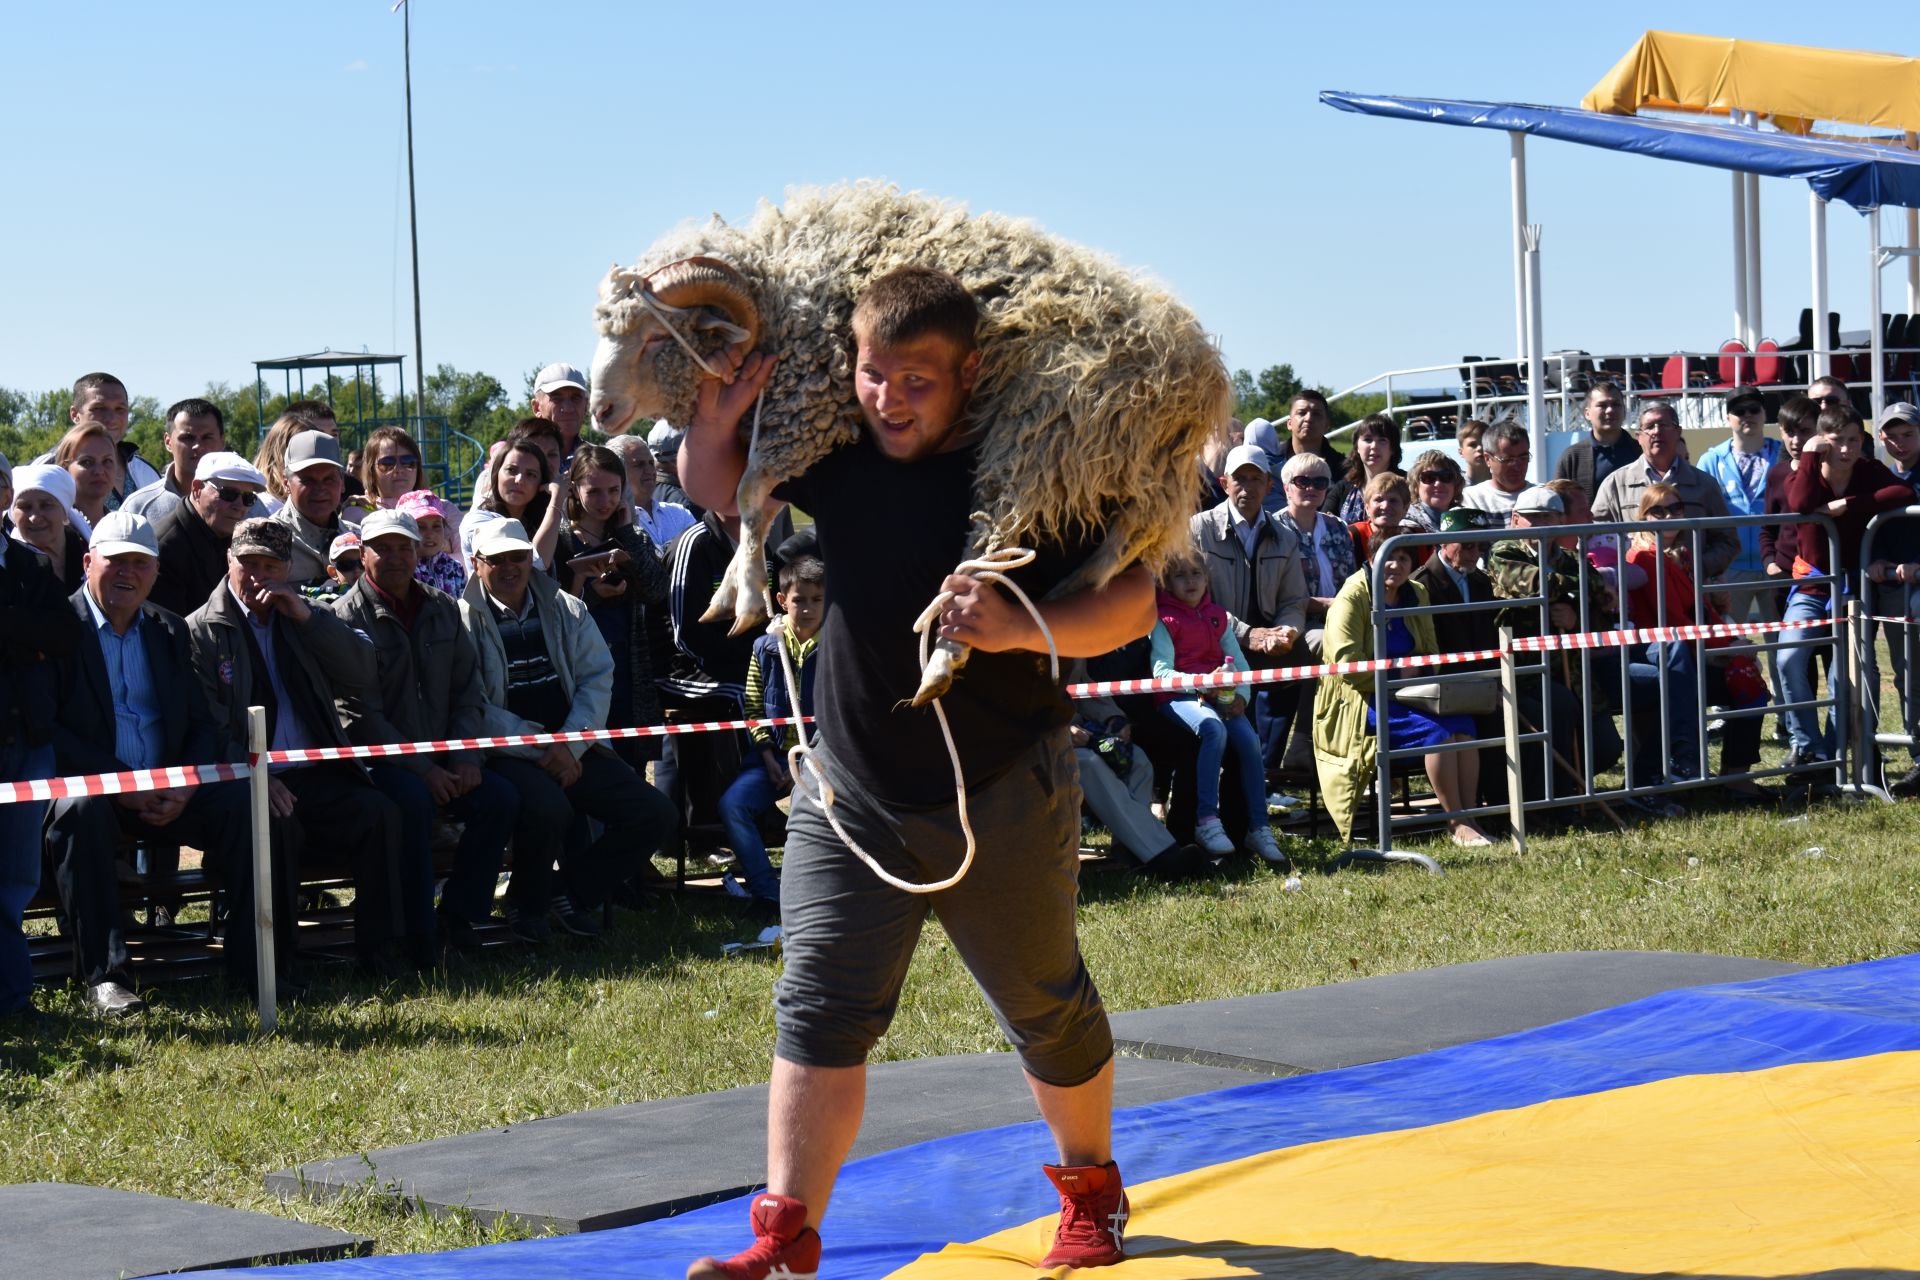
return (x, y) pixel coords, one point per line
(893, 514)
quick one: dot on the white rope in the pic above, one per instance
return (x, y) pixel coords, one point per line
(989, 569)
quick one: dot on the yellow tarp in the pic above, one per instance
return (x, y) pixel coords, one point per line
(1790, 1171)
(1792, 84)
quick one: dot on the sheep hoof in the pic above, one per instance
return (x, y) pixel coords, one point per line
(942, 666)
(721, 606)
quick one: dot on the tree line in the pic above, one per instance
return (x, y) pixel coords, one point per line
(474, 404)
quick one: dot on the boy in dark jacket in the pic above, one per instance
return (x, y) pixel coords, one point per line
(763, 774)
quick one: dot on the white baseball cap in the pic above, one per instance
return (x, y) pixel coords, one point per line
(496, 536)
(1247, 455)
(121, 533)
(558, 375)
(223, 465)
(385, 521)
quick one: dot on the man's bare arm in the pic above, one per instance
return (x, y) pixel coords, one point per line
(1084, 625)
(713, 453)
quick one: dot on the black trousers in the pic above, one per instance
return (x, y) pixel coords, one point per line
(339, 816)
(636, 821)
(83, 833)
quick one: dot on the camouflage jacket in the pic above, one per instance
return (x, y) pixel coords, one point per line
(1515, 570)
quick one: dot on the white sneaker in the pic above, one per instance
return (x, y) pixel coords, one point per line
(1212, 836)
(1260, 841)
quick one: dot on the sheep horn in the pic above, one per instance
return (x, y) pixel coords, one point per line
(708, 282)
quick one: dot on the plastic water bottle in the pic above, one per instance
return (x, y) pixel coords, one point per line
(1223, 698)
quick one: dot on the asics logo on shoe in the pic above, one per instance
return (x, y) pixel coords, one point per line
(769, 1203)
(1117, 1224)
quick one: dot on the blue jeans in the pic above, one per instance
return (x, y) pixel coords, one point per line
(1216, 735)
(19, 870)
(1683, 699)
(750, 795)
(489, 812)
(1796, 676)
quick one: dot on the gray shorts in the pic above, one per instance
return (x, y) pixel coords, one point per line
(850, 937)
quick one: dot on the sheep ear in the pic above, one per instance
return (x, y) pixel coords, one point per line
(708, 282)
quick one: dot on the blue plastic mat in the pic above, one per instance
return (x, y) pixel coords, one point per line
(890, 1209)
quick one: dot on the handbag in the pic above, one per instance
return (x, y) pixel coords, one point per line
(1479, 696)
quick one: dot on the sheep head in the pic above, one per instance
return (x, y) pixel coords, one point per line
(643, 366)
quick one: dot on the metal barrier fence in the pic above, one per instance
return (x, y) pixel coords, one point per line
(1887, 606)
(1614, 672)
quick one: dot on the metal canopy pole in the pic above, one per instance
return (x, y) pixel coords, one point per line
(1740, 256)
(1756, 318)
(1877, 338)
(1913, 242)
(1536, 364)
(1822, 358)
(1517, 171)
(1756, 322)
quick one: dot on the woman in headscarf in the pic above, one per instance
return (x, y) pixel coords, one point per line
(41, 516)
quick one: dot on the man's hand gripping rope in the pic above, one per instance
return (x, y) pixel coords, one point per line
(989, 568)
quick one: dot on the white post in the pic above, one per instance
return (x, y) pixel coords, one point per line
(1536, 365)
(1822, 358)
(262, 869)
(1877, 341)
(1517, 170)
(1740, 256)
(1510, 712)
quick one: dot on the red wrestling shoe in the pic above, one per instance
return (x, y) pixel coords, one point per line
(784, 1246)
(1093, 1216)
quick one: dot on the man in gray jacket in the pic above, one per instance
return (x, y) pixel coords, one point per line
(316, 485)
(258, 642)
(1619, 494)
(425, 686)
(1253, 569)
(544, 668)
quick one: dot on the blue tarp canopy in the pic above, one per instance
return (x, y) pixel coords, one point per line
(1862, 174)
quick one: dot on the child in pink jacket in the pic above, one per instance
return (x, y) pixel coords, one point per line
(1194, 636)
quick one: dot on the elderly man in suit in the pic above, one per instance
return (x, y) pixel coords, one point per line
(1253, 568)
(129, 701)
(258, 642)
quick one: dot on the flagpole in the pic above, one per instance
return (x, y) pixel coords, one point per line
(413, 215)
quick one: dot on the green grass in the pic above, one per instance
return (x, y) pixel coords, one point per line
(187, 1101)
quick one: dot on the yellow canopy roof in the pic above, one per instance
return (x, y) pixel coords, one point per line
(1791, 84)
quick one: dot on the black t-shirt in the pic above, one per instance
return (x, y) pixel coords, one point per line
(890, 532)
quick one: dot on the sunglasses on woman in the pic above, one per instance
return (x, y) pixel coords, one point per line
(408, 462)
(1309, 482)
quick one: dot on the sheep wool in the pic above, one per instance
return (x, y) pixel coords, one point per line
(1098, 387)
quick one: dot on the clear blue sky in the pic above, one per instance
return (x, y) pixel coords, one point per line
(196, 186)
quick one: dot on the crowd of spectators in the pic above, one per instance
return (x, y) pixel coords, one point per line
(1281, 559)
(143, 609)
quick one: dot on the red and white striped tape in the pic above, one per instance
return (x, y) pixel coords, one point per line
(1650, 635)
(310, 755)
(113, 784)
(159, 779)
(1274, 675)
